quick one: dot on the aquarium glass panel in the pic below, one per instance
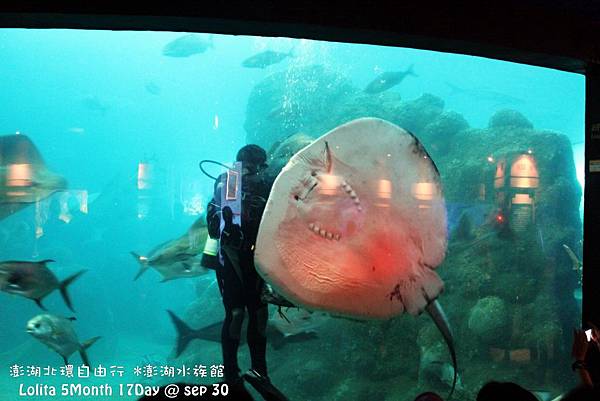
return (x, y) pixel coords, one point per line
(460, 191)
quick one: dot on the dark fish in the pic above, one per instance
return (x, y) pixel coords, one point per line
(58, 334)
(212, 332)
(33, 280)
(187, 45)
(95, 104)
(152, 88)
(178, 258)
(388, 80)
(24, 177)
(265, 59)
(485, 95)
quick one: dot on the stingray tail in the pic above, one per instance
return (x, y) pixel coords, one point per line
(84, 346)
(185, 333)
(439, 318)
(143, 261)
(63, 288)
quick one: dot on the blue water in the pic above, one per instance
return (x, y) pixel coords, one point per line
(97, 103)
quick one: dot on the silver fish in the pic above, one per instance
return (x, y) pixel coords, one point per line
(59, 335)
(33, 280)
(388, 80)
(265, 59)
(178, 258)
(188, 45)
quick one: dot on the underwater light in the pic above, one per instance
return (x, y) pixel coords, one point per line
(144, 175)
(424, 191)
(19, 175)
(524, 173)
(490, 159)
(500, 218)
(529, 151)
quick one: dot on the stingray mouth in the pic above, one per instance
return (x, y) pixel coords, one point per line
(329, 206)
(323, 232)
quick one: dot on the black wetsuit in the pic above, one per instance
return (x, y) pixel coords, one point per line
(239, 283)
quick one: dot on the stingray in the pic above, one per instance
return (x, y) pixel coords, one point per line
(355, 225)
(24, 177)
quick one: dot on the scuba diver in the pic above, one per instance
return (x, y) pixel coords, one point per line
(240, 285)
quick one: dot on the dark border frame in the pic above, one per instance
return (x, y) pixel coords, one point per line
(557, 34)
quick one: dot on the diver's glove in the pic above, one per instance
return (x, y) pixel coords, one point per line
(231, 235)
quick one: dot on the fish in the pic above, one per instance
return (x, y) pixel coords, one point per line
(58, 334)
(34, 280)
(77, 130)
(212, 332)
(357, 227)
(152, 88)
(388, 80)
(95, 104)
(24, 177)
(485, 95)
(266, 58)
(188, 45)
(178, 258)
